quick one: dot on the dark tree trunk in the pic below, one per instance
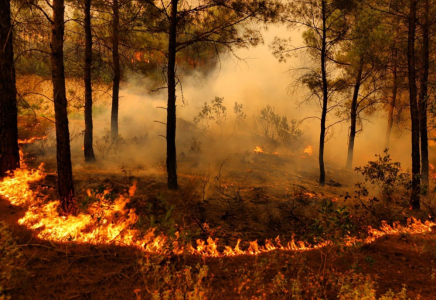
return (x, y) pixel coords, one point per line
(393, 101)
(353, 116)
(424, 95)
(63, 155)
(89, 150)
(171, 109)
(414, 113)
(325, 97)
(117, 70)
(9, 154)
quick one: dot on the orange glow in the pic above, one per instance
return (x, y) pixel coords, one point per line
(110, 222)
(308, 150)
(31, 140)
(258, 150)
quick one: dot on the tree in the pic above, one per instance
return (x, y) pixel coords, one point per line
(116, 68)
(88, 138)
(171, 106)
(63, 152)
(209, 24)
(392, 103)
(9, 154)
(364, 62)
(327, 24)
(423, 95)
(414, 113)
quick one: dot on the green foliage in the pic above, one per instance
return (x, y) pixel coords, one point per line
(355, 286)
(158, 213)
(333, 223)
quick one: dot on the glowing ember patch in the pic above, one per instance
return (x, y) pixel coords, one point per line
(308, 150)
(431, 166)
(258, 150)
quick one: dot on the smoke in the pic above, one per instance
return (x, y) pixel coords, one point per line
(252, 77)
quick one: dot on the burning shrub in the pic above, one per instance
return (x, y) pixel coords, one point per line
(277, 128)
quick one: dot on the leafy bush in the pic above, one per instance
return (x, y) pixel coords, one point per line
(392, 184)
(277, 128)
(356, 286)
(213, 117)
(163, 281)
(333, 223)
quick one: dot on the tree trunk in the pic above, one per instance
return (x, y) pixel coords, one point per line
(424, 95)
(393, 101)
(353, 116)
(414, 113)
(89, 150)
(325, 97)
(117, 70)
(9, 154)
(171, 108)
(63, 155)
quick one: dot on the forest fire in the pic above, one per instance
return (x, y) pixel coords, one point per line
(106, 222)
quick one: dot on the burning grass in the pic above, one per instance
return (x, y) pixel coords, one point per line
(110, 222)
(108, 256)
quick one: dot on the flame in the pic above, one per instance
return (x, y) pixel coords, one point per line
(308, 150)
(31, 140)
(431, 166)
(110, 222)
(258, 150)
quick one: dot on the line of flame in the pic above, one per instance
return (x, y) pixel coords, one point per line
(31, 140)
(111, 223)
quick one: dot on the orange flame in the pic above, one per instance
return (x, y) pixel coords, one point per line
(308, 150)
(112, 223)
(258, 150)
(31, 140)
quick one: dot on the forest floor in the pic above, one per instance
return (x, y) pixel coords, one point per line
(247, 197)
